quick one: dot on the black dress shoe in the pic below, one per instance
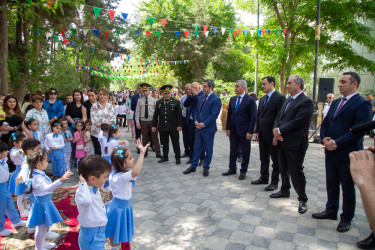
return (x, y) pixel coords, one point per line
(280, 194)
(242, 176)
(260, 181)
(229, 172)
(239, 158)
(201, 163)
(158, 156)
(189, 170)
(324, 215)
(302, 208)
(178, 161)
(205, 172)
(184, 155)
(162, 160)
(271, 187)
(189, 161)
(343, 226)
(367, 243)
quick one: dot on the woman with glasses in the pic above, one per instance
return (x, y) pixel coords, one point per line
(53, 106)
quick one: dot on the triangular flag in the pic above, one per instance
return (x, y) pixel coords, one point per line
(239, 32)
(74, 31)
(284, 31)
(50, 3)
(196, 33)
(186, 33)
(151, 20)
(157, 33)
(231, 30)
(252, 32)
(80, 10)
(96, 11)
(263, 31)
(65, 41)
(259, 32)
(206, 33)
(85, 32)
(205, 28)
(234, 32)
(269, 32)
(62, 30)
(276, 32)
(124, 16)
(163, 21)
(245, 32)
(196, 26)
(48, 34)
(214, 30)
(106, 33)
(177, 33)
(111, 14)
(117, 32)
(96, 32)
(138, 32)
(222, 31)
(147, 33)
(56, 38)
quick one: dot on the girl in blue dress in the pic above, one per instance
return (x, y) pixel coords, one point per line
(120, 227)
(17, 157)
(43, 211)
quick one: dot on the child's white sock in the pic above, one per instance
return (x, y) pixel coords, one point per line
(20, 205)
(40, 236)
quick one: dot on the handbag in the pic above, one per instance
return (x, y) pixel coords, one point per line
(80, 147)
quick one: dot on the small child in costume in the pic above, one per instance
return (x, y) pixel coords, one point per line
(87, 139)
(54, 145)
(43, 211)
(103, 140)
(120, 227)
(68, 138)
(114, 135)
(92, 213)
(78, 139)
(6, 201)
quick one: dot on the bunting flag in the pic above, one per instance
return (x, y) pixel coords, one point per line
(245, 32)
(62, 30)
(73, 44)
(111, 14)
(124, 16)
(231, 31)
(96, 11)
(186, 33)
(234, 32)
(138, 32)
(157, 33)
(214, 30)
(206, 33)
(269, 32)
(151, 20)
(96, 32)
(85, 32)
(148, 33)
(74, 31)
(56, 38)
(50, 3)
(205, 28)
(65, 41)
(106, 33)
(239, 32)
(177, 33)
(117, 32)
(163, 21)
(222, 31)
(196, 26)
(196, 33)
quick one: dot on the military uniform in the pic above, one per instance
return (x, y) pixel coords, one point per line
(169, 116)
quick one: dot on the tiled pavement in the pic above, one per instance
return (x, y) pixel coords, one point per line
(176, 211)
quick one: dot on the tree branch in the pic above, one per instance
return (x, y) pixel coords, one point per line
(278, 15)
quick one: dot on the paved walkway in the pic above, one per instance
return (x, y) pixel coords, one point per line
(176, 211)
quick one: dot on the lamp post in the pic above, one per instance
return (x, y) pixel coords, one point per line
(317, 38)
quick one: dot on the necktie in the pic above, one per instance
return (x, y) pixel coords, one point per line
(146, 108)
(265, 102)
(238, 102)
(94, 190)
(204, 101)
(55, 135)
(340, 106)
(291, 100)
(3, 161)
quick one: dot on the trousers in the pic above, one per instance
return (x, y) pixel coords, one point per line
(57, 162)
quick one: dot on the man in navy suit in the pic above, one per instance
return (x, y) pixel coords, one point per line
(338, 141)
(242, 113)
(205, 115)
(269, 107)
(291, 131)
(133, 108)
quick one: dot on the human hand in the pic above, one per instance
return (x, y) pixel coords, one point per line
(179, 128)
(227, 132)
(249, 136)
(326, 139)
(53, 148)
(19, 180)
(81, 178)
(50, 151)
(329, 145)
(199, 125)
(275, 132)
(142, 149)
(362, 167)
(98, 125)
(256, 137)
(275, 141)
(280, 138)
(65, 176)
(125, 142)
(153, 129)
(138, 126)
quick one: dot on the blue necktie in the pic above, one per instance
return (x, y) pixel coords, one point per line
(238, 102)
(94, 190)
(3, 161)
(291, 100)
(55, 135)
(265, 102)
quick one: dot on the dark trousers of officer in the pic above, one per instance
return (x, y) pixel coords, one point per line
(146, 129)
(267, 150)
(164, 138)
(137, 132)
(191, 139)
(185, 136)
(236, 142)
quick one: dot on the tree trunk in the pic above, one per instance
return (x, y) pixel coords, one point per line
(283, 76)
(4, 50)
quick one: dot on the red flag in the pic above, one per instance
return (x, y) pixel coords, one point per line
(142, 65)
(111, 14)
(50, 3)
(62, 30)
(100, 52)
(141, 59)
(263, 31)
(239, 32)
(284, 31)
(65, 41)
(106, 33)
(186, 33)
(148, 33)
(234, 32)
(121, 56)
(163, 21)
(205, 27)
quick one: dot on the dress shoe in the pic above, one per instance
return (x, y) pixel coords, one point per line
(302, 208)
(271, 187)
(367, 243)
(189, 170)
(239, 158)
(343, 226)
(189, 161)
(229, 172)
(205, 172)
(242, 176)
(162, 160)
(260, 181)
(324, 215)
(184, 155)
(158, 156)
(280, 194)
(178, 161)
(201, 163)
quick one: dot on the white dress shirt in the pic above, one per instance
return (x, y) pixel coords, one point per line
(16, 157)
(24, 173)
(121, 185)
(112, 144)
(51, 141)
(326, 109)
(42, 184)
(103, 142)
(91, 209)
(4, 170)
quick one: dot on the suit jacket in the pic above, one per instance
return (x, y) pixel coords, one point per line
(134, 103)
(294, 123)
(168, 114)
(356, 110)
(266, 117)
(245, 117)
(209, 112)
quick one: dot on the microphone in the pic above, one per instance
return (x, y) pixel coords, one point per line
(362, 127)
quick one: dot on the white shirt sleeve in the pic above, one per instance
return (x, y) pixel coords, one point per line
(24, 171)
(42, 187)
(47, 143)
(83, 195)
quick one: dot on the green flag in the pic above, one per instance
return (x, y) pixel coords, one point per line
(157, 33)
(196, 33)
(117, 32)
(196, 26)
(74, 31)
(96, 11)
(151, 20)
(56, 38)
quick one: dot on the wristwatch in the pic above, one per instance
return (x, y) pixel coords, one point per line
(334, 144)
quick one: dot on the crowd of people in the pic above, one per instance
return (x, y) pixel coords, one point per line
(86, 133)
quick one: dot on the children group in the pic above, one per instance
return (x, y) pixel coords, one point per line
(114, 170)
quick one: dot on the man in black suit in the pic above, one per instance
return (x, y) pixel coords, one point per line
(242, 112)
(291, 130)
(133, 108)
(269, 107)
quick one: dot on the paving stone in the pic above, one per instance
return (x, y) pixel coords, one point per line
(229, 224)
(261, 242)
(285, 236)
(268, 223)
(266, 232)
(306, 231)
(287, 227)
(279, 244)
(246, 227)
(305, 240)
(324, 244)
(235, 246)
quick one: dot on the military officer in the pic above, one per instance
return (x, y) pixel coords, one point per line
(168, 114)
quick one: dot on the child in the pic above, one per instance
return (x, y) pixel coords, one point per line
(54, 144)
(32, 128)
(103, 140)
(91, 211)
(6, 201)
(68, 138)
(113, 135)
(120, 226)
(78, 139)
(43, 211)
(87, 139)
(17, 157)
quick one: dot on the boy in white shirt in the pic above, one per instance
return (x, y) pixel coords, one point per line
(91, 210)
(54, 145)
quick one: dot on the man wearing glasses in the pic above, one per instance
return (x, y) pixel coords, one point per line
(330, 98)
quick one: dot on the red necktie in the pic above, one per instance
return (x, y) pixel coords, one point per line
(204, 101)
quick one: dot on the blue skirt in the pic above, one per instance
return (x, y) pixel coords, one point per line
(13, 188)
(120, 224)
(43, 212)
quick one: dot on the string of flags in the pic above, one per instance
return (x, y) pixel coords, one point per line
(121, 70)
(133, 77)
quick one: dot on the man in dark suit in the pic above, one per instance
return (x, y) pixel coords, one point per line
(206, 113)
(338, 141)
(291, 130)
(133, 108)
(269, 107)
(242, 112)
